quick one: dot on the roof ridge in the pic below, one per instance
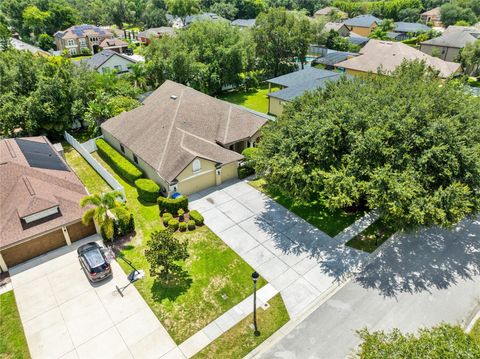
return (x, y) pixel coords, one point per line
(228, 124)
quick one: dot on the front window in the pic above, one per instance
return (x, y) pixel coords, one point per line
(83, 43)
(72, 51)
(196, 165)
(71, 42)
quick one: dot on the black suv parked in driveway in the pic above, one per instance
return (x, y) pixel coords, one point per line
(94, 262)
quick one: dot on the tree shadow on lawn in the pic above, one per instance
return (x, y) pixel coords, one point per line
(292, 235)
(423, 259)
(172, 289)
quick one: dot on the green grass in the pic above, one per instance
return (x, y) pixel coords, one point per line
(90, 178)
(13, 344)
(475, 332)
(372, 237)
(78, 58)
(253, 99)
(241, 335)
(315, 213)
(214, 269)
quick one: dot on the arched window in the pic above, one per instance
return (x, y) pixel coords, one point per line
(197, 166)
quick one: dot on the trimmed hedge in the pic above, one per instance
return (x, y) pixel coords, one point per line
(147, 189)
(172, 205)
(166, 217)
(182, 226)
(190, 225)
(173, 224)
(196, 217)
(121, 164)
(244, 172)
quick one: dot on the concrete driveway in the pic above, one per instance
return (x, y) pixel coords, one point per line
(64, 316)
(298, 259)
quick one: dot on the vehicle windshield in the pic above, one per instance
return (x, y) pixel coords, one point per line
(94, 258)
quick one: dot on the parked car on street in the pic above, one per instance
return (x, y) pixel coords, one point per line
(94, 262)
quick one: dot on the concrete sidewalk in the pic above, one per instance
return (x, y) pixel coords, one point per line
(299, 260)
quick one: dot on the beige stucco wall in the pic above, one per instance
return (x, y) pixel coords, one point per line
(446, 53)
(190, 182)
(229, 171)
(362, 31)
(148, 170)
(275, 106)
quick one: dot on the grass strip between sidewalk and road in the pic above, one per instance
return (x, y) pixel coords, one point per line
(13, 344)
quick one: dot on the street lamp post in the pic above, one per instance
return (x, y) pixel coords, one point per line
(255, 278)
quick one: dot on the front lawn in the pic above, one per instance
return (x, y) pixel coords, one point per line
(372, 237)
(218, 278)
(241, 335)
(315, 213)
(475, 332)
(253, 99)
(13, 344)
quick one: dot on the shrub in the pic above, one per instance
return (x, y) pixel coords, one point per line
(182, 226)
(244, 172)
(173, 224)
(166, 217)
(125, 223)
(147, 189)
(196, 217)
(172, 205)
(120, 164)
(191, 225)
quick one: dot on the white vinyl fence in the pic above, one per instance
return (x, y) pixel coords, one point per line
(93, 162)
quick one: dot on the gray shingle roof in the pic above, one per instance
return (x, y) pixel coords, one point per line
(299, 82)
(169, 132)
(333, 58)
(357, 39)
(410, 27)
(100, 58)
(457, 39)
(244, 22)
(362, 21)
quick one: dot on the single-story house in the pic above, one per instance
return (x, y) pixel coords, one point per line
(362, 25)
(183, 139)
(402, 30)
(326, 11)
(244, 23)
(448, 45)
(332, 58)
(108, 60)
(432, 16)
(23, 46)
(339, 27)
(385, 56)
(39, 196)
(296, 84)
(114, 44)
(154, 33)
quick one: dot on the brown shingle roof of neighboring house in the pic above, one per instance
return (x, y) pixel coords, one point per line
(176, 124)
(79, 31)
(387, 55)
(113, 42)
(432, 12)
(327, 10)
(29, 184)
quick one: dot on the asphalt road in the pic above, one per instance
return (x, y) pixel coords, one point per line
(418, 280)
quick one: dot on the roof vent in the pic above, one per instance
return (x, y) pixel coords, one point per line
(173, 97)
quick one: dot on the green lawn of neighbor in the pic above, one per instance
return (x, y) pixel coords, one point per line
(253, 99)
(214, 269)
(475, 332)
(372, 237)
(13, 344)
(90, 178)
(315, 213)
(239, 340)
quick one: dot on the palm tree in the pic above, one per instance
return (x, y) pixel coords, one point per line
(100, 210)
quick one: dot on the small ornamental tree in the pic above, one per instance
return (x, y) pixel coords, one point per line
(164, 253)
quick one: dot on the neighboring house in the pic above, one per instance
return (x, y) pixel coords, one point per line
(448, 45)
(339, 27)
(385, 56)
(404, 30)
(362, 25)
(296, 84)
(357, 39)
(244, 23)
(107, 61)
(79, 37)
(206, 16)
(183, 139)
(154, 33)
(114, 44)
(39, 201)
(432, 16)
(326, 11)
(332, 58)
(23, 46)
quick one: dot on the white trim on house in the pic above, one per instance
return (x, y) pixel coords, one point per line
(40, 215)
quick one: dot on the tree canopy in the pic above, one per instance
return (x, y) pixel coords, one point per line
(406, 144)
(439, 342)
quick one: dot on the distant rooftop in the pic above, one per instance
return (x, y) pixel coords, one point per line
(334, 57)
(363, 21)
(82, 31)
(244, 22)
(23, 46)
(100, 58)
(457, 38)
(413, 27)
